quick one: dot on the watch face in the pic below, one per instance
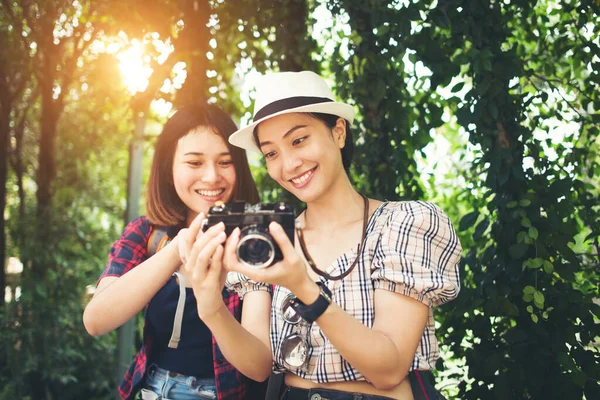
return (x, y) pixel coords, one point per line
(325, 292)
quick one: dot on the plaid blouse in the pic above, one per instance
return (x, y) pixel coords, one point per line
(127, 253)
(410, 248)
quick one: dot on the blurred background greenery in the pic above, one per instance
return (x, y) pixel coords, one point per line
(489, 108)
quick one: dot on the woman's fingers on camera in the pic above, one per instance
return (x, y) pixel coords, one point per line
(195, 228)
(214, 270)
(210, 246)
(201, 242)
(203, 260)
(287, 248)
(230, 256)
(212, 232)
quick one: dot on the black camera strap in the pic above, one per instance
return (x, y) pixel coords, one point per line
(324, 274)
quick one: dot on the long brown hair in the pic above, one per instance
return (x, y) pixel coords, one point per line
(163, 205)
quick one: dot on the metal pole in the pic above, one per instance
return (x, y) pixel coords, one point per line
(126, 332)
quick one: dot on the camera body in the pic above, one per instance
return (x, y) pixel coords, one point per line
(256, 247)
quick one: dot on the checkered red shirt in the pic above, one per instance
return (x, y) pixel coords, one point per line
(128, 252)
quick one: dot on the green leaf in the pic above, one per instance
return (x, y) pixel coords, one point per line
(458, 87)
(524, 202)
(512, 204)
(533, 232)
(538, 299)
(526, 222)
(579, 377)
(481, 228)
(468, 220)
(40, 289)
(548, 267)
(487, 65)
(535, 263)
(566, 361)
(534, 318)
(529, 309)
(528, 290)
(383, 30)
(517, 251)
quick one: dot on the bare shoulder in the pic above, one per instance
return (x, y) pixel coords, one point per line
(374, 204)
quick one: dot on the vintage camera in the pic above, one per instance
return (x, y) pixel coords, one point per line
(256, 247)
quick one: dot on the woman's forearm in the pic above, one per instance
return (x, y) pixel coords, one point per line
(368, 350)
(371, 352)
(118, 299)
(246, 347)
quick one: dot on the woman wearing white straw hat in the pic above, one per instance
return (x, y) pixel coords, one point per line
(352, 308)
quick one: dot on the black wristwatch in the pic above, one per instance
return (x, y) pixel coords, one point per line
(311, 312)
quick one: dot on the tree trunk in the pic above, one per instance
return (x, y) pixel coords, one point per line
(46, 172)
(196, 43)
(42, 261)
(4, 142)
(297, 48)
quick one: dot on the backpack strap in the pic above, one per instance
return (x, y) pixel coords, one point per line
(158, 239)
(275, 386)
(422, 386)
(176, 334)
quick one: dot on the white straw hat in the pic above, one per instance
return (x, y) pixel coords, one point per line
(289, 92)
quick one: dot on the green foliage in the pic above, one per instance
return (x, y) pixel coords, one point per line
(44, 346)
(525, 321)
(42, 337)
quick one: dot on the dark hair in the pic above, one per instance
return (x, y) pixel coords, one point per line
(329, 120)
(163, 205)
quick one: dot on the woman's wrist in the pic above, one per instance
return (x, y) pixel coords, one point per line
(212, 318)
(172, 249)
(307, 292)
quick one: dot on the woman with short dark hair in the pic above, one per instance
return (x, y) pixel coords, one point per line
(182, 358)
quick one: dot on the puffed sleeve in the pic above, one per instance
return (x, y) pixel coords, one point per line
(241, 284)
(418, 254)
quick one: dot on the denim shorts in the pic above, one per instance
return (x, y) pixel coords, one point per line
(161, 384)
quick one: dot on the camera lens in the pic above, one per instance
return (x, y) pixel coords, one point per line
(255, 248)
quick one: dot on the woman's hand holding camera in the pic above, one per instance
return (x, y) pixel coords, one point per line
(204, 253)
(185, 238)
(289, 272)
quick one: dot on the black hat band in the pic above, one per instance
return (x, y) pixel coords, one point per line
(287, 104)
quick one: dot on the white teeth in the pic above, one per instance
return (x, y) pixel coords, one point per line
(303, 178)
(210, 193)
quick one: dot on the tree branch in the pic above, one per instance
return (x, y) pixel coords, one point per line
(70, 64)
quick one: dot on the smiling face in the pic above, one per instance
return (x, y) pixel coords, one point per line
(203, 171)
(303, 154)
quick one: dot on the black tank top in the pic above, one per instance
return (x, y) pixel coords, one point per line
(194, 354)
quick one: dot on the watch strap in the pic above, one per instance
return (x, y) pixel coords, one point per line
(311, 312)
